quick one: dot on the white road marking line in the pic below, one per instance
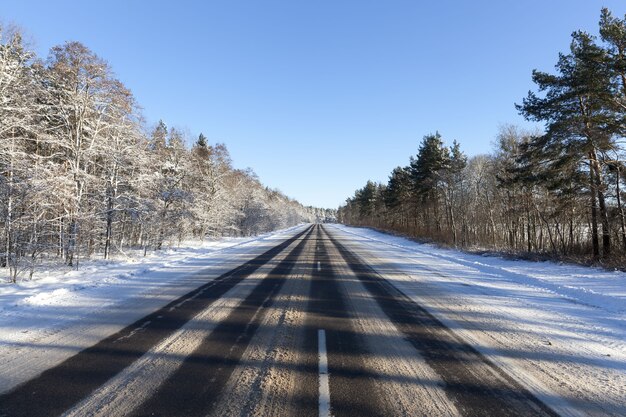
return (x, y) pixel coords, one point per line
(319, 266)
(324, 388)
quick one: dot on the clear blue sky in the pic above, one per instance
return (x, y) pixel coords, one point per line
(320, 96)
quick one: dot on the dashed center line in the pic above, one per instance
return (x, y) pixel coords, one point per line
(319, 266)
(324, 387)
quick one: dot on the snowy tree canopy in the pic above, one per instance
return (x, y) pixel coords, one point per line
(80, 176)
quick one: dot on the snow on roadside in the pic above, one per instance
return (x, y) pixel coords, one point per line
(60, 312)
(586, 285)
(560, 329)
(55, 287)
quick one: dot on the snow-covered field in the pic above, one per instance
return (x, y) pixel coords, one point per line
(60, 312)
(558, 329)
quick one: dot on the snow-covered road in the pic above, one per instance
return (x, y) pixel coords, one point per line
(47, 320)
(558, 329)
(241, 327)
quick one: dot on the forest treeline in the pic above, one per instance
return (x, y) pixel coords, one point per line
(80, 175)
(557, 192)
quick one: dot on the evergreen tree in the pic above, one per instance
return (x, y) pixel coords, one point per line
(201, 142)
(453, 179)
(397, 196)
(366, 199)
(432, 159)
(578, 127)
(158, 138)
(426, 174)
(613, 33)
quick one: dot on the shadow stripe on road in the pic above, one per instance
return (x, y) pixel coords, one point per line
(350, 383)
(198, 383)
(59, 388)
(477, 386)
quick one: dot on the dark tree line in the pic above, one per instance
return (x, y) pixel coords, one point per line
(81, 176)
(558, 191)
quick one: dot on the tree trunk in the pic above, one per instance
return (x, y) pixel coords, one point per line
(528, 225)
(8, 221)
(595, 242)
(111, 195)
(604, 217)
(619, 206)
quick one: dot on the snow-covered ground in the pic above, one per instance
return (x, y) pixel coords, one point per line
(60, 312)
(558, 329)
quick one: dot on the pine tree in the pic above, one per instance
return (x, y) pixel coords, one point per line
(577, 124)
(158, 138)
(202, 142)
(426, 174)
(397, 196)
(613, 33)
(453, 179)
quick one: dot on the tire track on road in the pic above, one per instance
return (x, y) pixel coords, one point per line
(198, 383)
(349, 377)
(477, 386)
(59, 388)
(269, 371)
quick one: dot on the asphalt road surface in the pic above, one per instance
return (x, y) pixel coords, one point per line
(304, 329)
